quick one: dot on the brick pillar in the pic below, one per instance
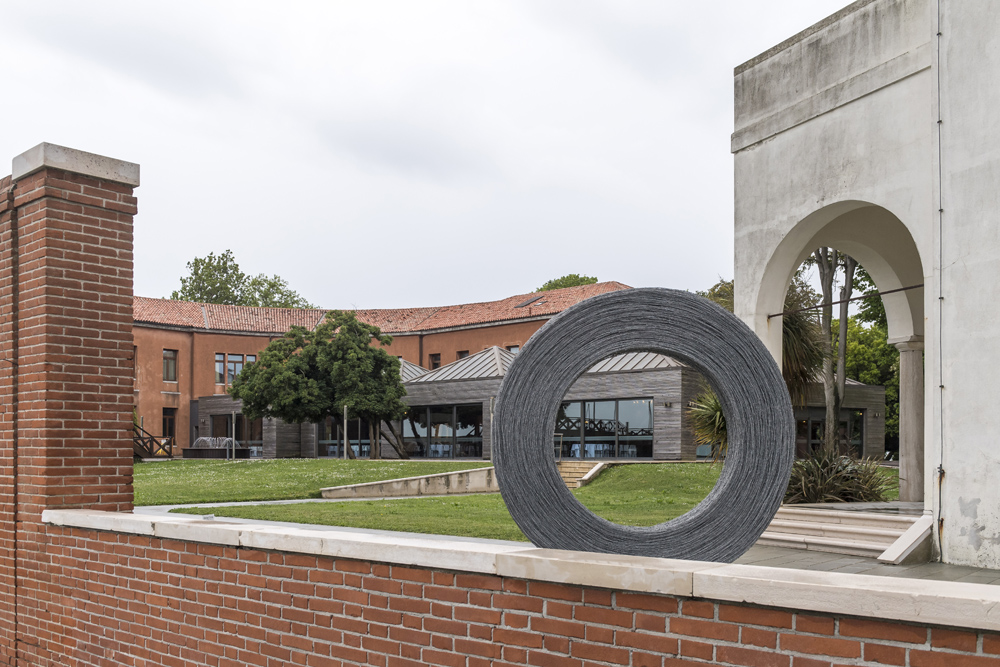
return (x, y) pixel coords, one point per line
(66, 301)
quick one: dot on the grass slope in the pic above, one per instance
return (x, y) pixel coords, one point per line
(194, 481)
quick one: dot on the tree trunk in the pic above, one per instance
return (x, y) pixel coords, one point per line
(347, 444)
(375, 444)
(826, 262)
(396, 441)
(841, 380)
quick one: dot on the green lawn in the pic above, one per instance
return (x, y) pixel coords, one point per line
(637, 495)
(194, 481)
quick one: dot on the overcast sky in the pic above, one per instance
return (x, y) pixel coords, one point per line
(413, 153)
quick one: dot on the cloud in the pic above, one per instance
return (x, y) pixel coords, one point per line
(140, 45)
(408, 148)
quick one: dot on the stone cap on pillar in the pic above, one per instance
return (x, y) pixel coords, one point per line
(908, 343)
(78, 162)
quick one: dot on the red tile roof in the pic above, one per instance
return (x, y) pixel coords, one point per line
(222, 318)
(390, 320)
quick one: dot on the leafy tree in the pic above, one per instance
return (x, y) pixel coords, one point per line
(307, 376)
(212, 280)
(218, 279)
(570, 280)
(870, 310)
(872, 360)
(721, 293)
(272, 292)
(367, 378)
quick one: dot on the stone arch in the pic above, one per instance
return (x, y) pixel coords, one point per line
(884, 246)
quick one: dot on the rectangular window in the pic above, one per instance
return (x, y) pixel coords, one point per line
(170, 365)
(435, 361)
(442, 428)
(600, 429)
(605, 429)
(635, 428)
(251, 358)
(220, 369)
(461, 354)
(415, 431)
(234, 364)
(330, 436)
(514, 348)
(569, 431)
(469, 430)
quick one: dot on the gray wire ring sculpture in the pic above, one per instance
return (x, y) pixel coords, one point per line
(696, 332)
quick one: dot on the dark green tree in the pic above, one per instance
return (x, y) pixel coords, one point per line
(366, 378)
(212, 280)
(307, 376)
(570, 280)
(218, 279)
(872, 360)
(870, 310)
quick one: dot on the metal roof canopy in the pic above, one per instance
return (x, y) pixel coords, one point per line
(494, 361)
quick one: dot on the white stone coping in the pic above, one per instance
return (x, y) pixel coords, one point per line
(966, 605)
(79, 162)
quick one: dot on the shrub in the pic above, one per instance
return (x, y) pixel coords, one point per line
(829, 477)
(709, 423)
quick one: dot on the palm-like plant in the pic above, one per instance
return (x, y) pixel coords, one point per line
(802, 355)
(802, 349)
(709, 423)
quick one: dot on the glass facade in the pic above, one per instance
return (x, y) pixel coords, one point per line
(610, 429)
(443, 431)
(331, 438)
(810, 424)
(248, 433)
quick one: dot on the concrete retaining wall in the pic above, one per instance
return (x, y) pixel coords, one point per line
(442, 484)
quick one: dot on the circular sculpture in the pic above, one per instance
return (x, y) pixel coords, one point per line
(694, 331)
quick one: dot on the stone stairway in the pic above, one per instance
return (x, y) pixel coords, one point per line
(853, 533)
(572, 471)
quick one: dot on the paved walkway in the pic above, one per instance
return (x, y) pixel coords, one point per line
(802, 559)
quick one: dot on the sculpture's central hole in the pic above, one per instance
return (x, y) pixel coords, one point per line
(625, 440)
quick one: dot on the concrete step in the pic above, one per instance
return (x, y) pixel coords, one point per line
(899, 522)
(573, 471)
(853, 533)
(824, 544)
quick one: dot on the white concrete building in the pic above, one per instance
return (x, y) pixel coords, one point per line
(875, 132)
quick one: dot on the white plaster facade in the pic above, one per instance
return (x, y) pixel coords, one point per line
(875, 132)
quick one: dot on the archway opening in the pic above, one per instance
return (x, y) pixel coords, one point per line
(882, 244)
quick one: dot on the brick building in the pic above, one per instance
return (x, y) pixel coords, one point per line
(185, 351)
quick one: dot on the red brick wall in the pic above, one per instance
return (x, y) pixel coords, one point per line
(70, 445)
(111, 599)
